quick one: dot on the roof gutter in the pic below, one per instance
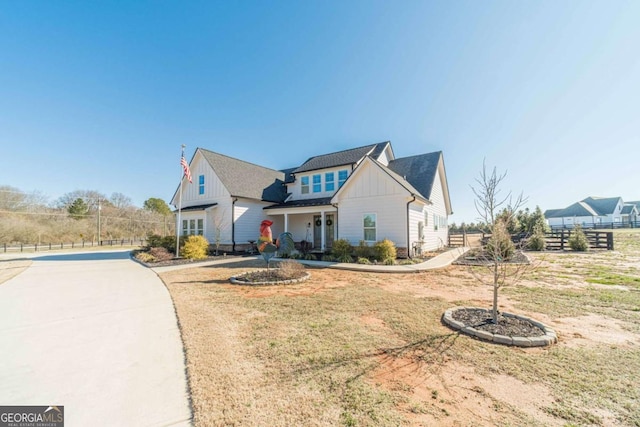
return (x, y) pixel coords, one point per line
(409, 226)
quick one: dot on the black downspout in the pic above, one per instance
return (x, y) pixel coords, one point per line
(233, 225)
(408, 227)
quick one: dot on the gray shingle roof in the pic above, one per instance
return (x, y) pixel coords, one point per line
(602, 205)
(244, 179)
(627, 209)
(341, 158)
(420, 171)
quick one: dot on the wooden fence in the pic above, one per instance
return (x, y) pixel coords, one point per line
(557, 240)
(38, 247)
(599, 225)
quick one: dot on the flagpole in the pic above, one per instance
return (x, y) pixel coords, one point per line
(179, 205)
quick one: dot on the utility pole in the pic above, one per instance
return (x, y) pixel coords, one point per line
(99, 209)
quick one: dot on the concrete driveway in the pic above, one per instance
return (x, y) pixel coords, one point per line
(97, 333)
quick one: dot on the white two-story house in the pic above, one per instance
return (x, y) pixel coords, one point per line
(360, 194)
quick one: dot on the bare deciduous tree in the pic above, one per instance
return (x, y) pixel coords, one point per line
(495, 267)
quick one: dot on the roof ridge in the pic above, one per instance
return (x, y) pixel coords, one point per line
(240, 160)
(347, 149)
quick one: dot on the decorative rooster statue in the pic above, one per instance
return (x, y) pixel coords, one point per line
(283, 246)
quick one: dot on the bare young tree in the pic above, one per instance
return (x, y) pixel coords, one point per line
(495, 266)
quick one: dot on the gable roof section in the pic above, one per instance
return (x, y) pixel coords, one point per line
(399, 179)
(244, 179)
(628, 209)
(420, 171)
(341, 158)
(602, 205)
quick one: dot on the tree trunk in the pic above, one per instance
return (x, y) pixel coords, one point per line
(494, 312)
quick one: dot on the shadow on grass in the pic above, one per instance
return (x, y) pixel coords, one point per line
(429, 350)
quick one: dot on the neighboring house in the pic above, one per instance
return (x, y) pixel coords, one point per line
(591, 212)
(360, 194)
(631, 212)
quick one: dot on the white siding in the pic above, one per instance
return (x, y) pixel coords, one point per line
(435, 239)
(248, 215)
(373, 191)
(214, 190)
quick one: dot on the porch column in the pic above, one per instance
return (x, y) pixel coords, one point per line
(323, 244)
(286, 222)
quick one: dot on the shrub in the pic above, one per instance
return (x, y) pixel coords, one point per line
(389, 261)
(342, 249)
(160, 254)
(145, 257)
(499, 246)
(363, 250)
(384, 250)
(310, 257)
(195, 247)
(328, 258)
(291, 269)
(578, 240)
(154, 241)
(363, 260)
(537, 242)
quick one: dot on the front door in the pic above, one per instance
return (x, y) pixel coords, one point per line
(328, 231)
(317, 233)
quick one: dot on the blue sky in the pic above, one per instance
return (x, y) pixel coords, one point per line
(100, 95)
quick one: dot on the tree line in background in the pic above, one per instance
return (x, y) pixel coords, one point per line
(81, 215)
(524, 221)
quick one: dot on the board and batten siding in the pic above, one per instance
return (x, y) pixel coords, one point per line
(248, 214)
(436, 238)
(373, 191)
(213, 187)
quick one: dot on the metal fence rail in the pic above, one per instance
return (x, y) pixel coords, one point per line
(38, 247)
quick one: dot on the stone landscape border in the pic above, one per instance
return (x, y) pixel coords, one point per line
(235, 280)
(549, 337)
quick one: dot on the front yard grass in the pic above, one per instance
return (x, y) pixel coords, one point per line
(353, 348)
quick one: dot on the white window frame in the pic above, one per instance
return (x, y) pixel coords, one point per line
(304, 187)
(374, 228)
(316, 186)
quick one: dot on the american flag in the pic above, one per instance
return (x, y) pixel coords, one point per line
(185, 166)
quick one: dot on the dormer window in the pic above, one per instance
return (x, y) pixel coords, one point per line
(342, 177)
(317, 183)
(328, 181)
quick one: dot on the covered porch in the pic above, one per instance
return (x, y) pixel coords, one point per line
(314, 221)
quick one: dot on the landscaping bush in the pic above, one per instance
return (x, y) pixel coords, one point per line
(154, 241)
(538, 241)
(160, 254)
(499, 246)
(384, 250)
(290, 268)
(363, 250)
(363, 260)
(195, 247)
(145, 257)
(328, 258)
(341, 250)
(578, 240)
